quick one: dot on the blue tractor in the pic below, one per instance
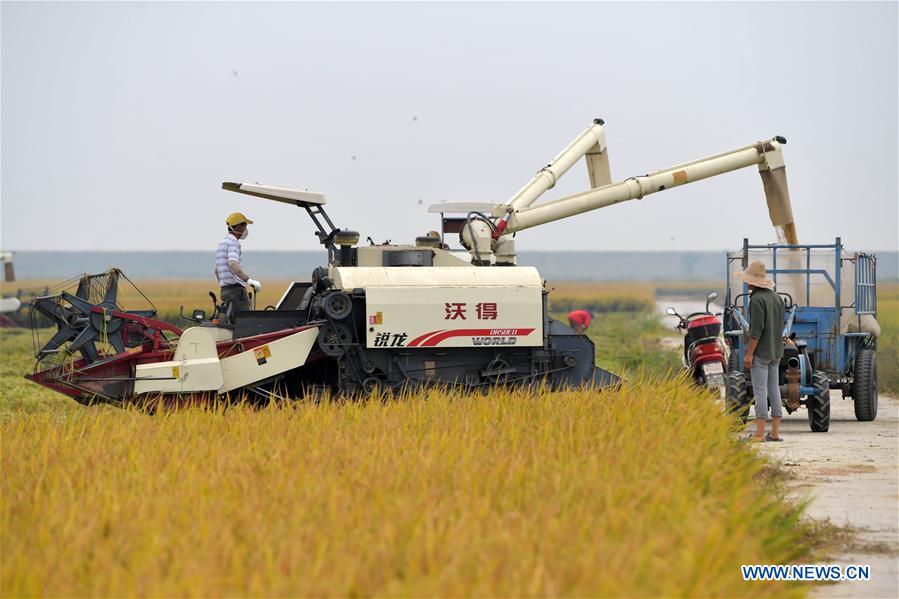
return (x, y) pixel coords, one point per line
(830, 328)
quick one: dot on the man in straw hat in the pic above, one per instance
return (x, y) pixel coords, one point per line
(762, 359)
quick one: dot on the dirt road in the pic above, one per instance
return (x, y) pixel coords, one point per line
(851, 476)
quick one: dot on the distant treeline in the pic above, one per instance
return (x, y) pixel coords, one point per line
(600, 305)
(556, 266)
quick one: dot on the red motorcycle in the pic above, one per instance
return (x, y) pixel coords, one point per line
(705, 354)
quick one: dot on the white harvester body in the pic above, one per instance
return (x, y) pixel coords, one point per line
(197, 367)
(433, 306)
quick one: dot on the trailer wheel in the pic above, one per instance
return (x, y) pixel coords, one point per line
(736, 396)
(864, 386)
(818, 405)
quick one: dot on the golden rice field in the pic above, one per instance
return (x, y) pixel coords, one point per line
(642, 492)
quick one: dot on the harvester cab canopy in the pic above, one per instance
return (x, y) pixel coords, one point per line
(297, 197)
(328, 235)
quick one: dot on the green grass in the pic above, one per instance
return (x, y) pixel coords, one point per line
(888, 343)
(18, 395)
(627, 343)
(632, 340)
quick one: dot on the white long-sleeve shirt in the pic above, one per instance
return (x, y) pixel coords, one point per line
(228, 250)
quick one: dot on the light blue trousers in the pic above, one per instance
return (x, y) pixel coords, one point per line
(766, 388)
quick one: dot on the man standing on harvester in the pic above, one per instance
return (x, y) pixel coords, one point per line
(231, 276)
(766, 348)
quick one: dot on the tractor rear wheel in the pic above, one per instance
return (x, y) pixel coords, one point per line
(733, 360)
(864, 386)
(818, 405)
(736, 396)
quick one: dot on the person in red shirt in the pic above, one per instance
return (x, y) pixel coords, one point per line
(579, 320)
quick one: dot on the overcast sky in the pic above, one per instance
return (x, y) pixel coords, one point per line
(121, 120)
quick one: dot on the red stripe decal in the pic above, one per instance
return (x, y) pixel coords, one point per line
(435, 339)
(418, 340)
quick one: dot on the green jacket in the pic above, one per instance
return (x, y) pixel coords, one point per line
(766, 323)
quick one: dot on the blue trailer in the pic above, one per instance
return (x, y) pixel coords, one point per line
(830, 327)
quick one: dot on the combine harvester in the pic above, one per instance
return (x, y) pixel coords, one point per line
(384, 317)
(9, 306)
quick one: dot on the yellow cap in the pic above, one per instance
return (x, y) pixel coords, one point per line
(236, 218)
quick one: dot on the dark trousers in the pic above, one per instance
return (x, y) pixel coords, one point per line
(237, 295)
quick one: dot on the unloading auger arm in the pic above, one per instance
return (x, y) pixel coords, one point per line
(766, 154)
(591, 144)
(518, 214)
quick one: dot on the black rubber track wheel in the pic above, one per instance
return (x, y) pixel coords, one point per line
(864, 386)
(818, 405)
(371, 385)
(736, 396)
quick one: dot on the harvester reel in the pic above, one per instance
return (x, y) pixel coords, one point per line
(62, 318)
(81, 323)
(338, 305)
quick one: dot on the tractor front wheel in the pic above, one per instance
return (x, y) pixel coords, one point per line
(736, 396)
(818, 405)
(864, 386)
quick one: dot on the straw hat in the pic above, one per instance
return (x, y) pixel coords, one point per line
(756, 275)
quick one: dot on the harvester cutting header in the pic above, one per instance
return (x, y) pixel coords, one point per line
(378, 316)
